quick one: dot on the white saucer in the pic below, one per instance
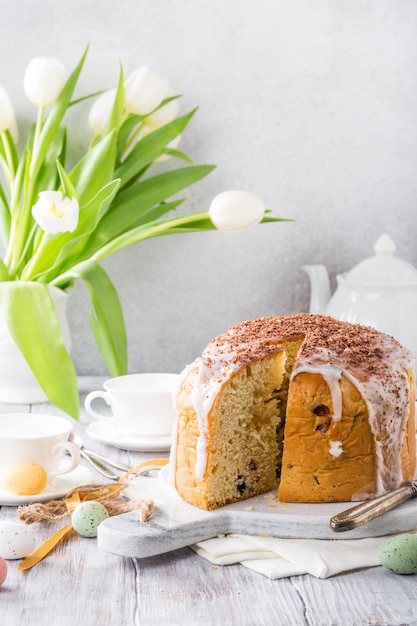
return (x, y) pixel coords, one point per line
(64, 483)
(104, 430)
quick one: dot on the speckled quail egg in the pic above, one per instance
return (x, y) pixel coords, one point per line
(16, 540)
(87, 516)
(399, 554)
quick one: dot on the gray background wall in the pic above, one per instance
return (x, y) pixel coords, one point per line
(309, 103)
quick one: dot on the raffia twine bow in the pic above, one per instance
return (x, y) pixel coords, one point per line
(59, 509)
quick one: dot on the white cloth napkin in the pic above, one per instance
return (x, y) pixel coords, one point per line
(280, 558)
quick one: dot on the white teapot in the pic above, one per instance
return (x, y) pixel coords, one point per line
(381, 291)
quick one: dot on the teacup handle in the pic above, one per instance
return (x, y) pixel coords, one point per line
(74, 451)
(93, 395)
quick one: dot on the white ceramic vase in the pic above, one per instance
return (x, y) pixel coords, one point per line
(17, 383)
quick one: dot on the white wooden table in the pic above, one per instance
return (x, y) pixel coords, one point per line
(79, 584)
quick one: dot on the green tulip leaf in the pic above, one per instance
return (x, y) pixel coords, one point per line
(29, 312)
(105, 315)
(95, 169)
(48, 176)
(150, 148)
(116, 115)
(5, 219)
(4, 274)
(129, 205)
(67, 186)
(178, 154)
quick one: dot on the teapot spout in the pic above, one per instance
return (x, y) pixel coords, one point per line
(320, 287)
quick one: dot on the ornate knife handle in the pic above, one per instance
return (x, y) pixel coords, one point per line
(366, 511)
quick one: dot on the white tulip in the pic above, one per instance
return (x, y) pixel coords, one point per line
(101, 110)
(236, 210)
(56, 213)
(164, 115)
(43, 81)
(7, 118)
(14, 130)
(144, 90)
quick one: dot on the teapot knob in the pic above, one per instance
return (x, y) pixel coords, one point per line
(385, 245)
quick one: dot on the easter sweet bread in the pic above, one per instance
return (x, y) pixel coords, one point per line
(321, 409)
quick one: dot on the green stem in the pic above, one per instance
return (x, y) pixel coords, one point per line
(10, 172)
(131, 140)
(20, 225)
(20, 240)
(160, 228)
(30, 270)
(38, 129)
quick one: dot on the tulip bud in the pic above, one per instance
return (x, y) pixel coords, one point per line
(144, 90)
(101, 110)
(7, 118)
(236, 210)
(14, 130)
(43, 81)
(164, 115)
(56, 213)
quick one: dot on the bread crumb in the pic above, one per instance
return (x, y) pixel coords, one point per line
(249, 508)
(214, 567)
(265, 535)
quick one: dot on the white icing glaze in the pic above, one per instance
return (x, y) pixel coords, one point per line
(319, 363)
(208, 383)
(386, 414)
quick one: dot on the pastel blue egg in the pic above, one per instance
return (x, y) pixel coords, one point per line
(87, 516)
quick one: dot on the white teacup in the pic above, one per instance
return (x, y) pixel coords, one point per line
(141, 404)
(39, 439)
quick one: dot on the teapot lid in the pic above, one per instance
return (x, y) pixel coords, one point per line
(384, 267)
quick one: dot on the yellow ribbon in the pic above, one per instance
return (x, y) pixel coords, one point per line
(38, 554)
(71, 502)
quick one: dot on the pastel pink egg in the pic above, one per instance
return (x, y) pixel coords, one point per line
(3, 570)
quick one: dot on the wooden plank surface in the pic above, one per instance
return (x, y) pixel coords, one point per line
(79, 584)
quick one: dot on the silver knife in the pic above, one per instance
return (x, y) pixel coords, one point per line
(370, 509)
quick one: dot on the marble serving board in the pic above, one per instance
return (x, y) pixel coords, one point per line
(175, 524)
